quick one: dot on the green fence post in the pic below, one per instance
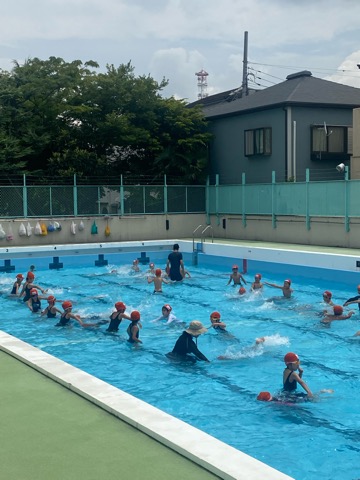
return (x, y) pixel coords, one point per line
(166, 197)
(75, 197)
(207, 200)
(347, 220)
(307, 205)
(122, 206)
(243, 190)
(273, 185)
(25, 198)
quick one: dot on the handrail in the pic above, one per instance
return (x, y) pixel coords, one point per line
(212, 234)
(196, 229)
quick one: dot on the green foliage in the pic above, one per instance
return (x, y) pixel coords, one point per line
(60, 119)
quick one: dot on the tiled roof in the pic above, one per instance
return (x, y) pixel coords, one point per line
(298, 89)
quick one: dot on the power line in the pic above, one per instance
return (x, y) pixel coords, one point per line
(318, 70)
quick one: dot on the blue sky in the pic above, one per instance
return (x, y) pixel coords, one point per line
(176, 38)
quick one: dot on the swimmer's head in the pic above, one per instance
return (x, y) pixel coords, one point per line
(258, 275)
(358, 287)
(66, 305)
(152, 265)
(215, 316)
(196, 328)
(33, 292)
(235, 267)
(288, 281)
(167, 307)
(338, 310)
(135, 315)
(264, 397)
(30, 275)
(291, 358)
(327, 294)
(158, 272)
(242, 290)
(136, 261)
(120, 306)
(176, 246)
(51, 299)
(19, 276)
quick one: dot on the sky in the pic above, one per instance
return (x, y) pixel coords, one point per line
(175, 39)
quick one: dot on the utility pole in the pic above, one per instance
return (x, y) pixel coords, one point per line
(244, 89)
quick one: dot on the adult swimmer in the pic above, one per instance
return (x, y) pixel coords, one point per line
(175, 264)
(185, 348)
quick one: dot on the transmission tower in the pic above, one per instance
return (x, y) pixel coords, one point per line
(202, 84)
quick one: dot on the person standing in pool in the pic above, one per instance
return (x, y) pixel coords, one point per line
(355, 299)
(185, 348)
(338, 314)
(67, 316)
(158, 281)
(50, 311)
(34, 302)
(117, 316)
(290, 377)
(175, 264)
(286, 289)
(236, 277)
(17, 284)
(133, 329)
(28, 285)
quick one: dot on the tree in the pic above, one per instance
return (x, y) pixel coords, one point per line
(63, 118)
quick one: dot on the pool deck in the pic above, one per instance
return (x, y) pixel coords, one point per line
(53, 433)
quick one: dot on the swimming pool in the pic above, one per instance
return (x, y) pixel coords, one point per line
(219, 397)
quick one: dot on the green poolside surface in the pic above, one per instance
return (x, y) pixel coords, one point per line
(50, 433)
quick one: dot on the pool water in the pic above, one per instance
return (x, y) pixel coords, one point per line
(313, 440)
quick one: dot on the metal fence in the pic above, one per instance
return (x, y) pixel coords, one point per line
(90, 200)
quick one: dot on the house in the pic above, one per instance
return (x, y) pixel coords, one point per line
(301, 123)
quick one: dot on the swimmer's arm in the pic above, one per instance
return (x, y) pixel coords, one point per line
(150, 279)
(348, 302)
(29, 304)
(193, 348)
(44, 312)
(273, 285)
(243, 279)
(222, 325)
(302, 383)
(126, 316)
(230, 279)
(165, 281)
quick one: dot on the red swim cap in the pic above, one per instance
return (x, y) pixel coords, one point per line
(264, 396)
(215, 315)
(135, 315)
(242, 290)
(291, 358)
(19, 275)
(258, 275)
(167, 307)
(51, 298)
(66, 305)
(30, 275)
(158, 272)
(120, 306)
(288, 281)
(338, 310)
(327, 293)
(33, 291)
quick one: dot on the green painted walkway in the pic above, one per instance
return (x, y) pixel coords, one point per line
(50, 433)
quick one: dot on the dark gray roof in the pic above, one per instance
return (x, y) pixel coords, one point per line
(298, 89)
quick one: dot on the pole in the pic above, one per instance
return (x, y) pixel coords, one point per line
(244, 91)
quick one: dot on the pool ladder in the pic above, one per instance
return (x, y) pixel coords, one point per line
(199, 246)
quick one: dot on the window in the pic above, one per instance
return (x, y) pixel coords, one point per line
(258, 142)
(329, 142)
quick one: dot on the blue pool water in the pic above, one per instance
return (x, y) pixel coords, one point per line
(315, 440)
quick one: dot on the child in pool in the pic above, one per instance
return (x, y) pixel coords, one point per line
(133, 329)
(17, 284)
(158, 281)
(50, 311)
(290, 377)
(287, 291)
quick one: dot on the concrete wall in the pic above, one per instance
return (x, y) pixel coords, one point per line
(141, 227)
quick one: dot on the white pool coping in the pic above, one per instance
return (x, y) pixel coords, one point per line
(219, 458)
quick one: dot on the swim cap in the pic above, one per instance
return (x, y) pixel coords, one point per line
(51, 298)
(120, 306)
(66, 305)
(136, 260)
(291, 358)
(264, 396)
(338, 310)
(135, 315)
(33, 291)
(158, 272)
(167, 307)
(19, 275)
(288, 281)
(30, 275)
(327, 293)
(242, 290)
(235, 267)
(215, 315)
(258, 275)
(152, 264)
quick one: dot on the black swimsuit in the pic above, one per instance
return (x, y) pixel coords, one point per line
(289, 386)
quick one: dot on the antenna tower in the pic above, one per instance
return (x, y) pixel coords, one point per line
(202, 84)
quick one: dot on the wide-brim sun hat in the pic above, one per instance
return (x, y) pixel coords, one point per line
(196, 328)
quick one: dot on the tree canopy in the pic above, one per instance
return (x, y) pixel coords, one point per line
(59, 118)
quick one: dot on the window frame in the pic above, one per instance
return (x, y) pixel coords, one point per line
(258, 142)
